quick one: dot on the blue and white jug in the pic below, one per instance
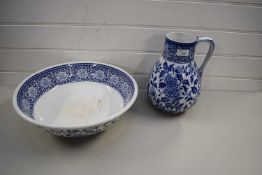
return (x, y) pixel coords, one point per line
(175, 80)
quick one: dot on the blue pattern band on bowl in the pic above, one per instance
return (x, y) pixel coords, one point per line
(34, 87)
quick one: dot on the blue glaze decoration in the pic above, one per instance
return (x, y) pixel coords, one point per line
(171, 48)
(176, 90)
(175, 80)
(37, 85)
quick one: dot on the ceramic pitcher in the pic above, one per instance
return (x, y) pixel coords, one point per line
(175, 80)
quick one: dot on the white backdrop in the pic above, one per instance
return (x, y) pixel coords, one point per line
(130, 34)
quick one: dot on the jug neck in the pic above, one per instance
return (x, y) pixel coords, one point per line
(180, 53)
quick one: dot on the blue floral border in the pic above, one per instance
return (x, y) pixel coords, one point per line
(171, 48)
(42, 82)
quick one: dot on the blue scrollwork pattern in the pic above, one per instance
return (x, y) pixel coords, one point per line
(174, 87)
(42, 82)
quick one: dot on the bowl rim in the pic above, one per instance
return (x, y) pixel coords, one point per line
(45, 125)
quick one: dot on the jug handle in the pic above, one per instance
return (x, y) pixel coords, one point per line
(209, 53)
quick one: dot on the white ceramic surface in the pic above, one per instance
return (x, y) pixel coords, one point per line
(78, 104)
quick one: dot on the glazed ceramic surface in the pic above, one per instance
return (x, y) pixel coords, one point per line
(175, 80)
(75, 99)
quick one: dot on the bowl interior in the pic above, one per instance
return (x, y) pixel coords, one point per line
(75, 94)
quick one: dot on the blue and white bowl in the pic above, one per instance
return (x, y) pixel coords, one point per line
(75, 99)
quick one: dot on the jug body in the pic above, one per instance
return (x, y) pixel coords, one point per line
(175, 80)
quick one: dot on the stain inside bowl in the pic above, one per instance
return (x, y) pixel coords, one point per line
(78, 104)
(79, 109)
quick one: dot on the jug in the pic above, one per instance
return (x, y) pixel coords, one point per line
(175, 80)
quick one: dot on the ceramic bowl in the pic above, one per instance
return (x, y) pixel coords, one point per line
(75, 99)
